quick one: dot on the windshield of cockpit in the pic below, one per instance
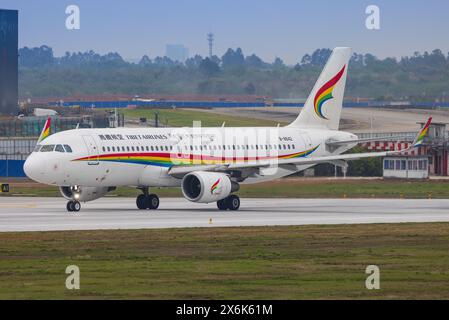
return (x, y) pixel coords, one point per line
(52, 148)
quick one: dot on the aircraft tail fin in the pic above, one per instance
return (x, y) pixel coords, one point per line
(45, 131)
(323, 106)
(422, 133)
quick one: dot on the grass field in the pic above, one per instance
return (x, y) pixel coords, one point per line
(290, 188)
(184, 117)
(230, 263)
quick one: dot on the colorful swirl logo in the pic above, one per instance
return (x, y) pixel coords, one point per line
(214, 186)
(325, 93)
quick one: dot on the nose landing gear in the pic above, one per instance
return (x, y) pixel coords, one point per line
(147, 201)
(73, 206)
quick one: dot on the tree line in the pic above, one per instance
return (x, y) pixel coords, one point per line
(418, 77)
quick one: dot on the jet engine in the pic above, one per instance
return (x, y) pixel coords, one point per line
(84, 194)
(205, 187)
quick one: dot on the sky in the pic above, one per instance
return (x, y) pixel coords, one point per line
(284, 28)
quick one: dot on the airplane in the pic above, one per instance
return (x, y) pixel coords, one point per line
(208, 164)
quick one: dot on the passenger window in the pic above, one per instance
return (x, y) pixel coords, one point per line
(147, 148)
(166, 148)
(123, 148)
(104, 149)
(59, 148)
(132, 148)
(284, 146)
(109, 149)
(113, 148)
(157, 148)
(293, 146)
(127, 148)
(152, 148)
(137, 148)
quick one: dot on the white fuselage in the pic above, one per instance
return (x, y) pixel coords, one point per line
(143, 156)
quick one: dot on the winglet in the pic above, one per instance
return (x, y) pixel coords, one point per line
(45, 131)
(422, 133)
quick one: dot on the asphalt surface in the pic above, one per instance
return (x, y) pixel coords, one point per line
(353, 119)
(45, 214)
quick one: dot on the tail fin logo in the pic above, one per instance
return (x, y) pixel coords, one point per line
(420, 137)
(46, 130)
(325, 93)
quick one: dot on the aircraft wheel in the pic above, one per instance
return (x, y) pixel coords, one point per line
(152, 202)
(233, 202)
(73, 206)
(141, 202)
(222, 205)
(76, 206)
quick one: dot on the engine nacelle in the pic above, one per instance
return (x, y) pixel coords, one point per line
(205, 187)
(84, 194)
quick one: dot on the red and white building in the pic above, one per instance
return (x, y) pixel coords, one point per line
(429, 159)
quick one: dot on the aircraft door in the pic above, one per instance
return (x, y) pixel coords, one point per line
(92, 150)
(307, 140)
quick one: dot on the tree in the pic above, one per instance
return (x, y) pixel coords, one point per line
(233, 59)
(145, 61)
(254, 61)
(250, 88)
(209, 67)
(194, 62)
(278, 63)
(36, 57)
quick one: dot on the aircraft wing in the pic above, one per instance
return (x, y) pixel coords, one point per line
(224, 167)
(390, 138)
(185, 169)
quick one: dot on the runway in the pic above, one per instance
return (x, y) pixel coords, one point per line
(45, 214)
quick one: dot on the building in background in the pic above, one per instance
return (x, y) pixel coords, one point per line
(177, 52)
(9, 62)
(429, 159)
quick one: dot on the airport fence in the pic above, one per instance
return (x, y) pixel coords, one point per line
(13, 153)
(32, 126)
(112, 104)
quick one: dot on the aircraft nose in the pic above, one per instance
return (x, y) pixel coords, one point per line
(31, 168)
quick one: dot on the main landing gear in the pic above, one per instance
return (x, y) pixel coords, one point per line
(73, 206)
(231, 202)
(147, 201)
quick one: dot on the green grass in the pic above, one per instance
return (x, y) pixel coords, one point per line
(184, 117)
(288, 188)
(316, 262)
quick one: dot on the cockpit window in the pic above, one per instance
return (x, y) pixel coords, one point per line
(59, 148)
(37, 147)
(47, 148)
(67, 148)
